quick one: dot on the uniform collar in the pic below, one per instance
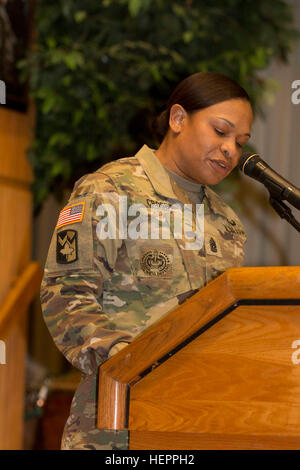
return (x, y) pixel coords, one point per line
(156, 173)
(165, 186)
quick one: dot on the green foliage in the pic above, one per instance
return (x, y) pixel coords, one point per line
(100, 71)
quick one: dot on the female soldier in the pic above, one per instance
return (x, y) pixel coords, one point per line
(104, 281)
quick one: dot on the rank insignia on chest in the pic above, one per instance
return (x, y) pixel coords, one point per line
(67, 247)
(213, 245)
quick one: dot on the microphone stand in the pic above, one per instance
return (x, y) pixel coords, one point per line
(284, 212)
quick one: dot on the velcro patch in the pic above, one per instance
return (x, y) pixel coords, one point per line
(66, 247)
(71, 214)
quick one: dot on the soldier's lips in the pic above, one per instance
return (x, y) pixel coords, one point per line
(216, 166)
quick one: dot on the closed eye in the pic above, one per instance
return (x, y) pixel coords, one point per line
(223, 133)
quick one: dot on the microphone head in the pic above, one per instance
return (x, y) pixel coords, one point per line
(247, 159)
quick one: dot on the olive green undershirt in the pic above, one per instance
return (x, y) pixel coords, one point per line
(195, 191)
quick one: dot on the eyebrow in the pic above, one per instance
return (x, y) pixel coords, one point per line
(231, 124)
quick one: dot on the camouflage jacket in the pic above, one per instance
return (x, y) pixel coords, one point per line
(102, 287)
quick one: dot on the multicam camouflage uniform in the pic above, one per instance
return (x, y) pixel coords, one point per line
(98, 294)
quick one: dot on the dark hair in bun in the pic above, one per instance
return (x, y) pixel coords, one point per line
(198, 91)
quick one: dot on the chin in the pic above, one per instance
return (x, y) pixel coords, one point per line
(214, 183)
(211, 181)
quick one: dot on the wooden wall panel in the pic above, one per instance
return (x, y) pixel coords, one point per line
(15, 234)
(12, 378)
(16, 130)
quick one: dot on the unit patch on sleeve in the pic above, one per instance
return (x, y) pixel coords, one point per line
(71, 215)
(66, 247)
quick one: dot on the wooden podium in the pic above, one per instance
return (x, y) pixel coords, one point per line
(221, 371)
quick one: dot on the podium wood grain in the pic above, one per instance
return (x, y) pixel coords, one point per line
(234, 378)
(246, 381)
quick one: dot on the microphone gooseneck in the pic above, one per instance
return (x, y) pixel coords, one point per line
(253, 165)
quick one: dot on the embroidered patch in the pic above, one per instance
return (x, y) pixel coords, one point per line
(71, 214)
(66, 247)
(155, 263)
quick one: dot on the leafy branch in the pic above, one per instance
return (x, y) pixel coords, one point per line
(100, 71)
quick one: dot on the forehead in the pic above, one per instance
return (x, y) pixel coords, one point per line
(237, 111)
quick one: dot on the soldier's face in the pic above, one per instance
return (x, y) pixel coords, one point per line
(207, 144)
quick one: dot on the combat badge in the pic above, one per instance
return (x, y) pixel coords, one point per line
(155, 263)
(66, 247)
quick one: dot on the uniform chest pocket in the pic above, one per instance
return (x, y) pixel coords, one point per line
(158, 270)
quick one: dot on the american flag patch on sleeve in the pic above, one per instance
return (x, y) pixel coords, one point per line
(71, 215)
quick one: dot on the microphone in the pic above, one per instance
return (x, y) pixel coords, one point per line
(279, 188)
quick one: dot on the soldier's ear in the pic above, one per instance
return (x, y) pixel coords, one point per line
(178, 116)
